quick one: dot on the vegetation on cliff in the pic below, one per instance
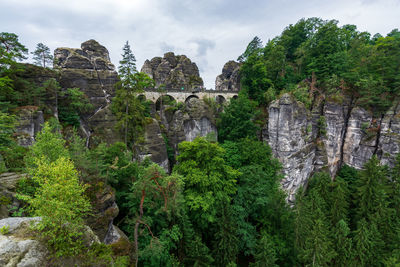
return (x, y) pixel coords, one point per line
(327, 59)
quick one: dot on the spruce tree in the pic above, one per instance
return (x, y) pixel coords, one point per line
(126, 105)
(371, 188)
(318, 249)
(343, 244)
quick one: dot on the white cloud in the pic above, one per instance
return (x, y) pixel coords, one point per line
(209, 32)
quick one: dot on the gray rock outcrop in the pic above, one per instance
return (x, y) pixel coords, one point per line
(8, 199)
(229, 80)
(154, 145)
(327, 137)
(291, 140)
(90, 69)
(196, 119)
(17, 249)
(30, 121)
(176, 72)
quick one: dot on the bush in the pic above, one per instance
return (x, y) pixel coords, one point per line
(60, 201)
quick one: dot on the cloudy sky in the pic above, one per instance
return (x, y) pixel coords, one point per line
(209, 32)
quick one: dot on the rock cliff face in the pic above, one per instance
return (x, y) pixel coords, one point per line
(90, 69)
(229, 80)
(175, 72)
(195, 119)
(330, 135)
(29, 124)
(154, 145)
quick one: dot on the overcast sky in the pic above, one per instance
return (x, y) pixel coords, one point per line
(209, 32)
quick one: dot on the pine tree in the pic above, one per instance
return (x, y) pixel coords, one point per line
(42, 55)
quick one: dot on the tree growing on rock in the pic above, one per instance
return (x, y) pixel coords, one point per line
(127, 107)
(42, 56)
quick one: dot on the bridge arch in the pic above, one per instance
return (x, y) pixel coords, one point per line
(220, 99)
(164, 100)
(190, 97)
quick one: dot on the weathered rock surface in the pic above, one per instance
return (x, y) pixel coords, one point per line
(105, 209)
(90, 69)
(19, 247)
(154, 145)
(389, 136)
(291, 141)
(114, 235)
(196, 119)
(18, 250)
(175, 72)
(328, 137)
(30, 121)
(229, 80)
(8, 200)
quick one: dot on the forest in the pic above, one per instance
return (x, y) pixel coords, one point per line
(221, 203)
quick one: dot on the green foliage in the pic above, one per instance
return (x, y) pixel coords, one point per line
(154, 202)
(301, 94)
(72, 105)
(42, 56)
(322, 126)
(4, 230)
(318, 56)
(254, 47)
(14, 157)
(265, 255)
(238, 120)
(49, 145)
(60, 201)
(10, 51)
(7, 124)
(129, 109)
(209, 181)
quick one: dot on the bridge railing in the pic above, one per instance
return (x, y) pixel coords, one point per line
(194, 91)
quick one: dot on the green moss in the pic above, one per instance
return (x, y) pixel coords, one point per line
(121, 248)
(322, 126)
(4, 201)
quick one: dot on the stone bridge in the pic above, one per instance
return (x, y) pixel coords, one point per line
(183, 96)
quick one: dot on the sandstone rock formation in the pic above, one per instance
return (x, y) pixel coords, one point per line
(175, 72)
(16, 249)
(30, 121)
(154, 145)
(105, 209)
(196, 119)
(19, 247)
(229, 80)
(90, 69)
(8, 199)
(327, 137)
(291, 141)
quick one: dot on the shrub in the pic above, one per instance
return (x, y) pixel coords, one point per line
(61, 203)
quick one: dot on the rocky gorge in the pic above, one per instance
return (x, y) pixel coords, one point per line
(322, 137)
